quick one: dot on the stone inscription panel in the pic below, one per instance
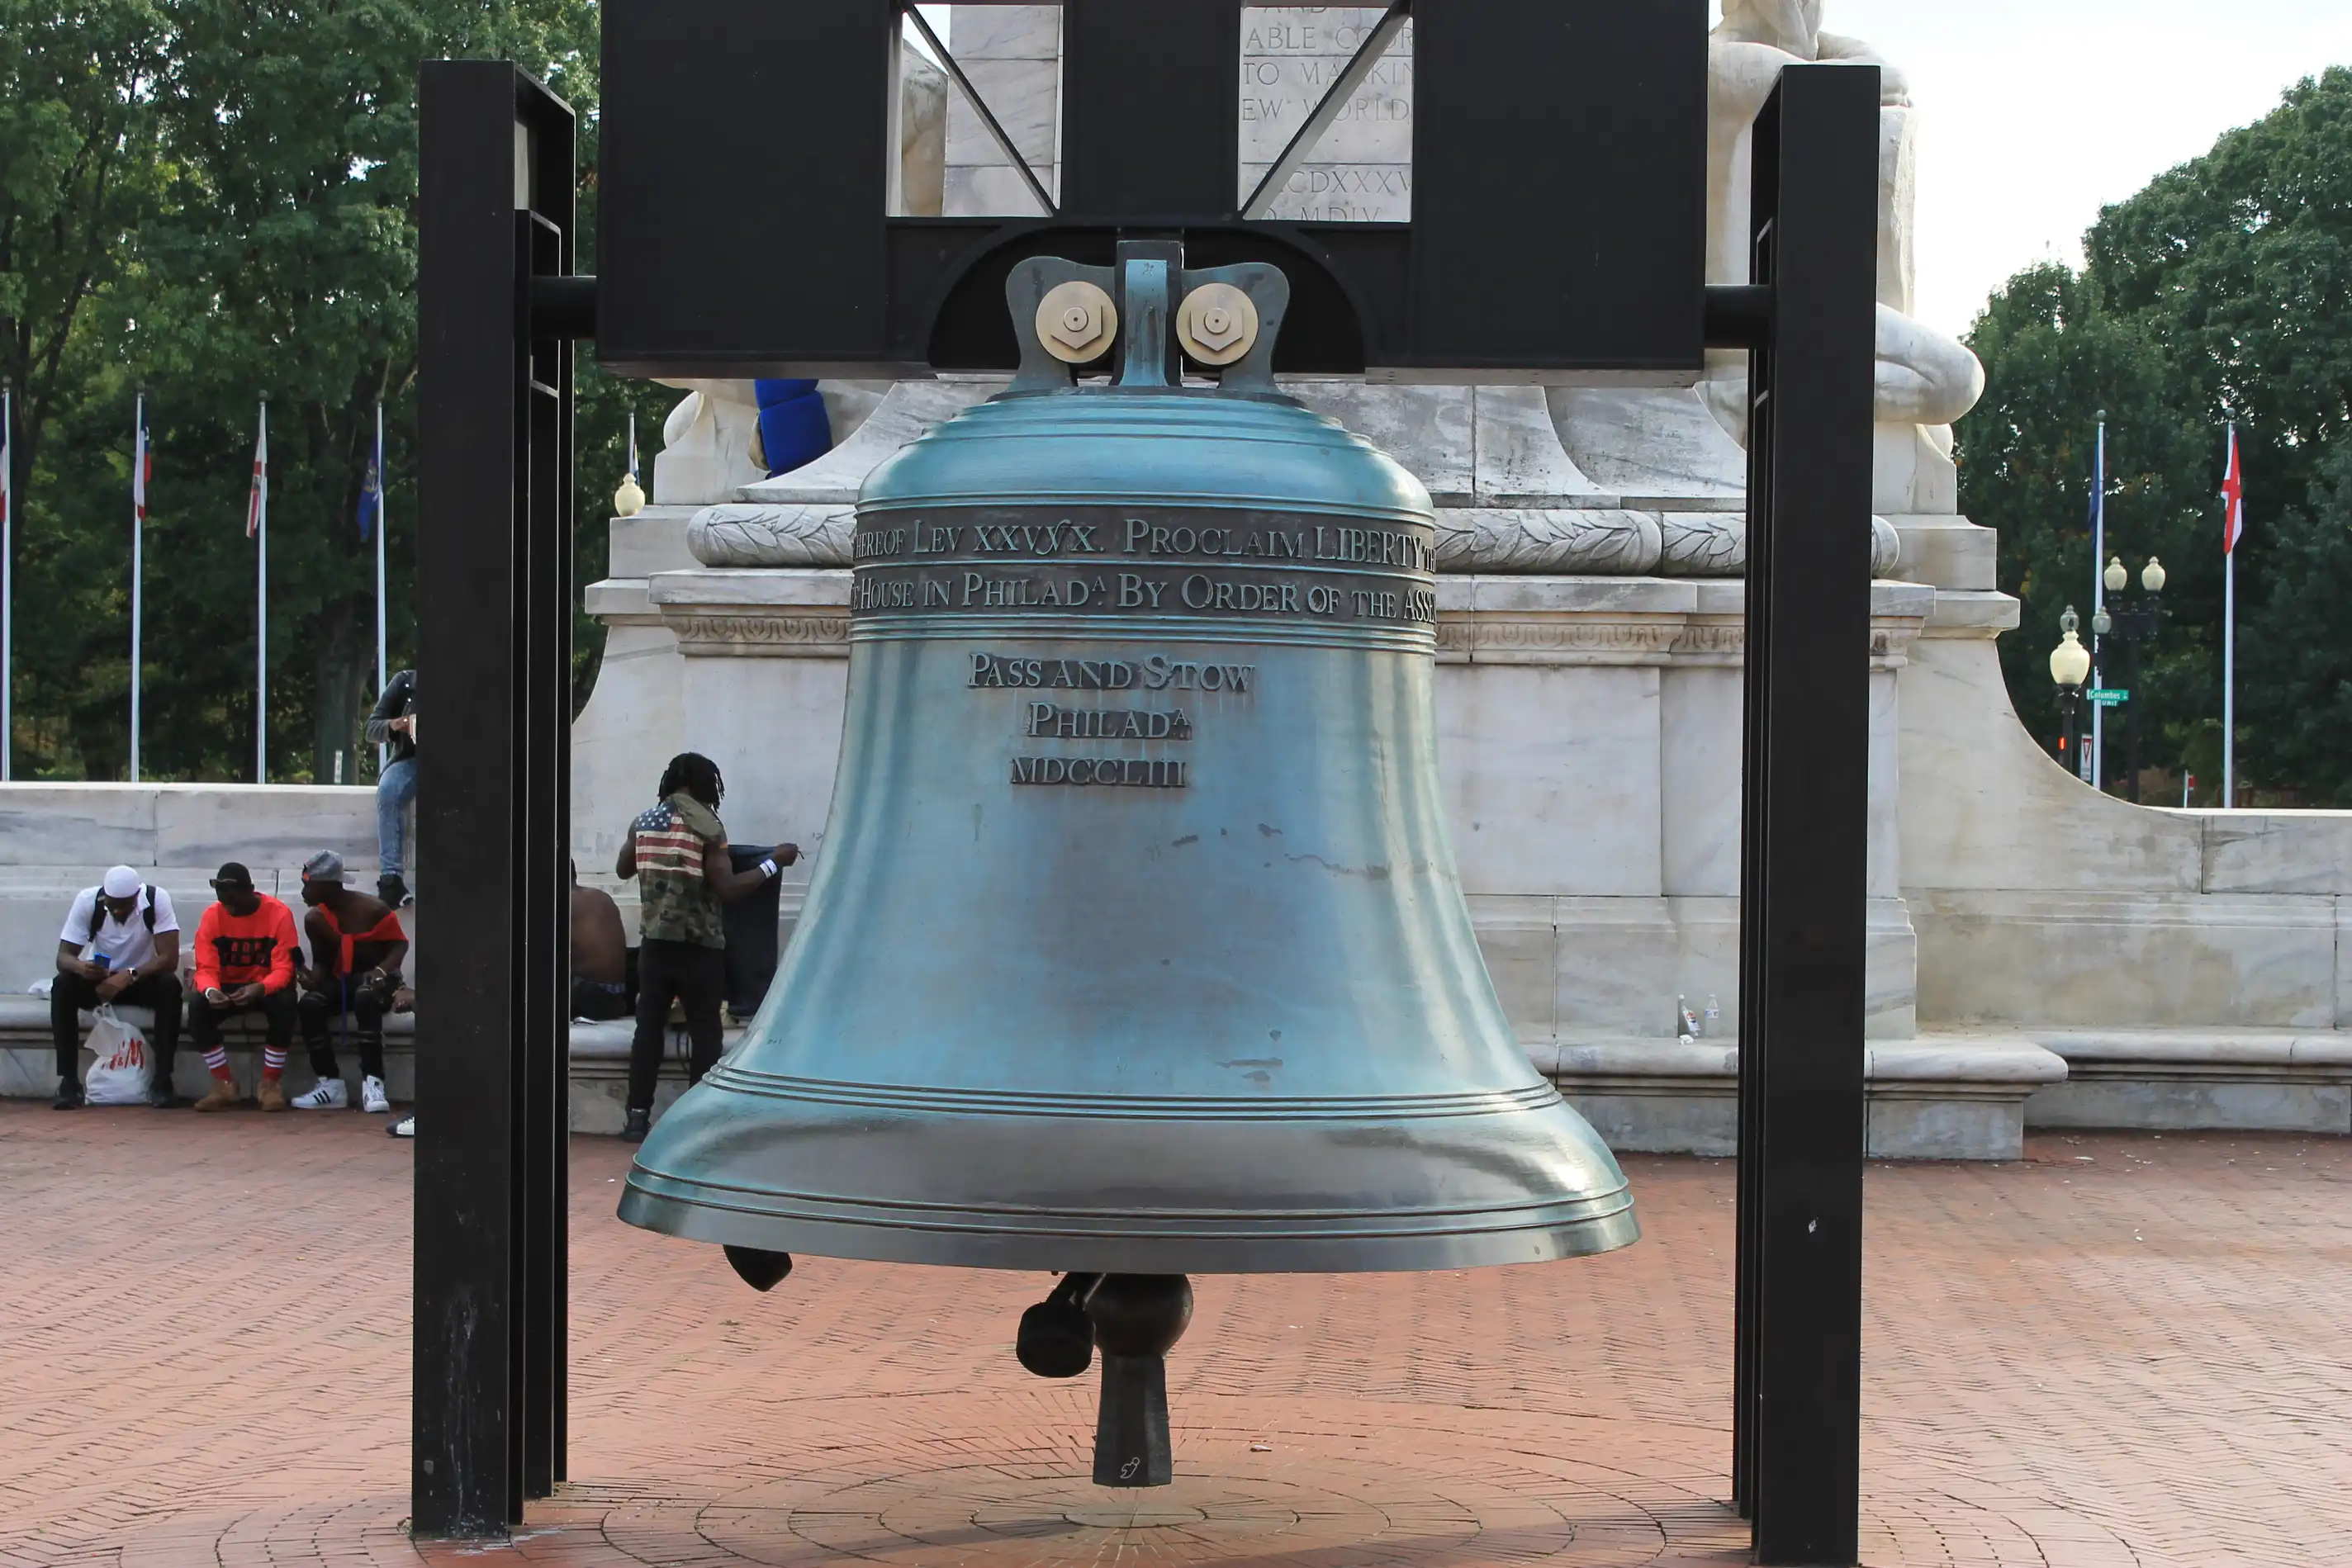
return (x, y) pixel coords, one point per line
(1360, 170)
(1267, 566)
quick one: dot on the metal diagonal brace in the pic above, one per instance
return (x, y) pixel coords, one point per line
(979, 105)
(1326, 109)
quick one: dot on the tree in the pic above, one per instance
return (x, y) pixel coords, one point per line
(80, 165)
(271, 249)
(2054, 360)
(2222, 291)
(2295, 679)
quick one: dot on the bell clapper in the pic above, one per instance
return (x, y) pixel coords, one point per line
(1137, 1318)
(764, 1271)
(1055, 1339)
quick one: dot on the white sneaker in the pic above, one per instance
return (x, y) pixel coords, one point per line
(328, 1096)
(371, 1096)
(404, 1128)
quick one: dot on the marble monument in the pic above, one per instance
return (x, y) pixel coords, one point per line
(2037, 949)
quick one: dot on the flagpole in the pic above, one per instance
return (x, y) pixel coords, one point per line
(2230, 508)
(382, 675)
(7, 578)
(138, 542)
(2099, 602)
(261, 602)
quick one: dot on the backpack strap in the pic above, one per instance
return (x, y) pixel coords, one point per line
(98, 913)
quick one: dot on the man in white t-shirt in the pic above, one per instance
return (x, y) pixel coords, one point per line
(121, 943)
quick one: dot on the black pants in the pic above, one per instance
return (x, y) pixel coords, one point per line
(72, 995)
(276, 1007)
(695, 975)
(366, 1003)
(600, 1001)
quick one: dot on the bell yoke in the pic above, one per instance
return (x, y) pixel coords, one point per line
(1138, 949)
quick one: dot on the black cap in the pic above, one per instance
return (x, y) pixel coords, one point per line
(233, 878)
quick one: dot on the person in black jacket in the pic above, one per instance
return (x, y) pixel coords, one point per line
(394, 724)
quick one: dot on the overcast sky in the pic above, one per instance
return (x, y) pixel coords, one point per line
(2035, 113)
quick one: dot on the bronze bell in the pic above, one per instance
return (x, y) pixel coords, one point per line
(1137, 947)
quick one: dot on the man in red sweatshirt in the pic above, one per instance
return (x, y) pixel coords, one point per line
(246, 950)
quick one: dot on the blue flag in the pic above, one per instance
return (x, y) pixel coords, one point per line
(372, 487)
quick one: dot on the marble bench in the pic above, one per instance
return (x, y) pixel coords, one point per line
(1936, 1097)
(1944, 1094)
(28, 1060)
(1972, 1093)
(2266, 1080)
(600, 1060)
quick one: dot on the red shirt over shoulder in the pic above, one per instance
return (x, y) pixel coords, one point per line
(234, 950)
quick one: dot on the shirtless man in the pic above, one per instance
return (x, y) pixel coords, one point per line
(357, 946)
(599, 954)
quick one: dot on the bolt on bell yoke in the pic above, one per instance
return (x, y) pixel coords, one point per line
(1137, 948)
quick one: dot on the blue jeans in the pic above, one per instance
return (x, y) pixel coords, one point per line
(393, 793)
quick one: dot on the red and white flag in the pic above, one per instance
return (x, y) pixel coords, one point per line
(142, 465)
(256, 505)
(2233, 499)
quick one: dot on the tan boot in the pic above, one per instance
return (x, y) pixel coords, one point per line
(270, 1095)
(223, 1097)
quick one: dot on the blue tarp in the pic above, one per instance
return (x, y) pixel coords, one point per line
(792, 426)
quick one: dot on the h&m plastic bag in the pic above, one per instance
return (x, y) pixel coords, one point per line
(120, 1074)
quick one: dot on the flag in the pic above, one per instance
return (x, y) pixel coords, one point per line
(142, 465)
(2234, 498)
(372, 487)
(256, 505)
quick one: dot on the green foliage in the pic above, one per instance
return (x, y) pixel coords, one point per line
(2300, 651)
(2222, 291)
(213, 200)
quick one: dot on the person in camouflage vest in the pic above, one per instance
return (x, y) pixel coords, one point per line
(676, 850)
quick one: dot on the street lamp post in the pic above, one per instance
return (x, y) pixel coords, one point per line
(2135, 625)
(2070, 666)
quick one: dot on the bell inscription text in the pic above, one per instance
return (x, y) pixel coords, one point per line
(1266, 566)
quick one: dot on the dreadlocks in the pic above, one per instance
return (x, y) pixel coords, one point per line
(698, 776)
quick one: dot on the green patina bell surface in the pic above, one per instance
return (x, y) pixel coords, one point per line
(1136, 943)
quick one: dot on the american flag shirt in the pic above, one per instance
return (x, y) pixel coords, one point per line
(673, 900)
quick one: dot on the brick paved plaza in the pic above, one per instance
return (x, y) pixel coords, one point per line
(2125, 1350)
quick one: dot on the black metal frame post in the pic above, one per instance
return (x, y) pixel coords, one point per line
(1805, 799)
(494, 631)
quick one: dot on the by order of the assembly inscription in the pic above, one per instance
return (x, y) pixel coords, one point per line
(1265, 566)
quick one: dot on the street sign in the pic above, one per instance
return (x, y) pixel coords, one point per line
(2108, 696)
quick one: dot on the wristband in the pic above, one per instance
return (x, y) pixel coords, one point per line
(769, 865)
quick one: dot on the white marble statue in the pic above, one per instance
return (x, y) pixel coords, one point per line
(1924, 379)
(708, 445)
(711, 442)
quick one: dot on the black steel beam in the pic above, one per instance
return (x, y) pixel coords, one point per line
(494, 631)
(1806, 785)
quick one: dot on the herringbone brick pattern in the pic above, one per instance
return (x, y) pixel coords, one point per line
(2124, 1351)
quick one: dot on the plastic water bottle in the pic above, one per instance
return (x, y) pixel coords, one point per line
(1714, 1013)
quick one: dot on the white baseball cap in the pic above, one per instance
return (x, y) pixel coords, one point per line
(122, 882)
